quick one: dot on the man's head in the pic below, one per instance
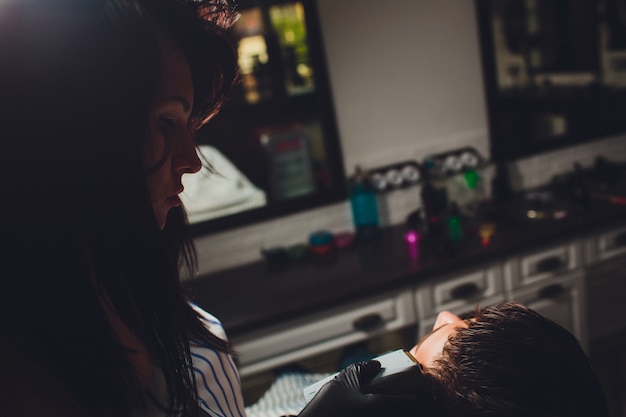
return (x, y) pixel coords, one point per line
(508, 360)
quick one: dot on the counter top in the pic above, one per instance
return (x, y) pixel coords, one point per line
(253, 296)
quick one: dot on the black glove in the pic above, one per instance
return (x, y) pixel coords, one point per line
(342, 397)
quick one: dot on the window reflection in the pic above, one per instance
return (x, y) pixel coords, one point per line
(284, 25)
(288, 23)
(225, 191)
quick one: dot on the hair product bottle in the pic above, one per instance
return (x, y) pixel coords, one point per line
(431, 206)
(364, 206)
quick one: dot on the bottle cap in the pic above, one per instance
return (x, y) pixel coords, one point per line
(321, 238)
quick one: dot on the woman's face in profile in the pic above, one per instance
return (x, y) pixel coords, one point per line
(430, 348)
(169, 148)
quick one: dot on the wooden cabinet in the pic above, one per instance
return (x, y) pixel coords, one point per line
(458, 290)
(542, 264)
(550, 280)
(556, 291)
(606, 282)
(606, 245)
(560, 298)
(459, 294)
(578, 283)
(317, 333)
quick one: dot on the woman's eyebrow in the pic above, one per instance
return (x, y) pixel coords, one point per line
(180, 99)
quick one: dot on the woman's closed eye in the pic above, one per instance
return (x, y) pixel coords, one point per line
(172, 125)
(166, 123)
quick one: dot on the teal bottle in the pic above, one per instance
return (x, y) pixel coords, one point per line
(364, 207)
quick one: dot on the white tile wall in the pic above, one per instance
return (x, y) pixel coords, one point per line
(240, 246)
(243, 245)
(536, 170)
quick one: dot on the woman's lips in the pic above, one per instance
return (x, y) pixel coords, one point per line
(174, 201)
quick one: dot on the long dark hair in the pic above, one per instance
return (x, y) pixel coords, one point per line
(77, 84)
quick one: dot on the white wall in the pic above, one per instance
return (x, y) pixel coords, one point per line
(406, 80)
(406, 77)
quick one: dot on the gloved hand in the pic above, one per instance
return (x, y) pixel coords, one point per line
(342, 397)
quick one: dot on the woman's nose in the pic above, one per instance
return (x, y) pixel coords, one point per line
(187, 160)
(446, 317)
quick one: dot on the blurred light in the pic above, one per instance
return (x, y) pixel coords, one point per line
(471, 178)
(411, 236)
(411, 239)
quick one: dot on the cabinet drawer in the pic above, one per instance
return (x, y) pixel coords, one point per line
(561, 299)
(317, 333)
(610, 244)
(458, 291)
(537, 266)
(606, 298)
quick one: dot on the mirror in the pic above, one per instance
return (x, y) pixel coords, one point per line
(274, 146)
(554, 72)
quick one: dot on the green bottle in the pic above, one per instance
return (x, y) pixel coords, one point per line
(455, 228)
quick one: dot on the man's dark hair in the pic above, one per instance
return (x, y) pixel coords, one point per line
(513, 362)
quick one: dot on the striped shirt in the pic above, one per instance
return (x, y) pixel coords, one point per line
(217, 379)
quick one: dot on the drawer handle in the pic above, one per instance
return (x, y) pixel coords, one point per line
(550, 264)
(464, 290)
(620, 240)
(367, 322)
(551, 291)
